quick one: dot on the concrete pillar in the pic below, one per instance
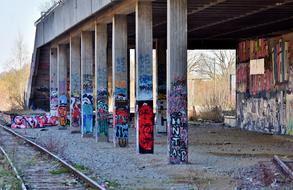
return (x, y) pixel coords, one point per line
(87, 62)
(120, 100)
(101, 75)
(161, 116)
(144, 75)
(177, 81)
(75, 100)
(62, 79)
(53, 83)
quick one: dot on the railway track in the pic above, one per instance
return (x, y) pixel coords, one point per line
(37, 168)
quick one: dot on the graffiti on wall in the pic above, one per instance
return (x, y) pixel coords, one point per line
(102, 112)
(262, 114)
(87, 104)
(54, 102)
(266, 108)
(177, 122)
(242, 77)
(261, 84)
(33, 121)
(146, 127)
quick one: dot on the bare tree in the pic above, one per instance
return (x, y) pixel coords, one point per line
(210, 71)
(212, 63)
(15, 79)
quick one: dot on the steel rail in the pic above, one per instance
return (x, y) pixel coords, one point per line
(73, 170)
(23, 187)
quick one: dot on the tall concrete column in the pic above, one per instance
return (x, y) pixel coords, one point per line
(62, 80)
(177, 81)
(87, 62)
(120, 100)
(144, 75)
(53, 83)
(161, 116)
(101, 83)
(75, 100)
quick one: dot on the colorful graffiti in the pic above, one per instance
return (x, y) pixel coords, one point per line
(102, 113)
(62, 113)
(262, 114)
(75, 113)
(146, 127)
(280, 57)
(87, 104)
(121, 104)
(266, 108)
(120, 116)
(54, 102)
(36, 121)
(242, 77)
(62, 110)
(177, 123)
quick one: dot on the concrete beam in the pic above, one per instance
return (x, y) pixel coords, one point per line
(62, 80)
(53, 83)
(177, 81)
(120, 100)
(87, 62)
(144, 77)
(101, 82)
(75, 100)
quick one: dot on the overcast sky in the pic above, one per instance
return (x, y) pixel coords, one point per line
(17, 17)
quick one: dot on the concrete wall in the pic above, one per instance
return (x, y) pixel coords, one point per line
(64, 17)
(265, 101)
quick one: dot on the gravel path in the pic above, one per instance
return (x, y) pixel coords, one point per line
(216, 155)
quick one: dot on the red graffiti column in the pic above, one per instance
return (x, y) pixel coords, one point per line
(146, 127)
(177, 81)
(144, 83)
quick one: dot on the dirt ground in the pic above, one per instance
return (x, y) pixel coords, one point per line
(219, 158)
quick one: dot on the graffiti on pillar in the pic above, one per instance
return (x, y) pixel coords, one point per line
(62, 110)
(75, 112)
(87, 104)
(54, 102)
(146, 127)
(178, 125)
(145, 81)
(102, 112)
(121, 105)
(121, 122)
(87, 127)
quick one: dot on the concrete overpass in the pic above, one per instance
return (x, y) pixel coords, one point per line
(82, 53)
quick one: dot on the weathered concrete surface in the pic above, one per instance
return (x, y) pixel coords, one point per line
(64, 17)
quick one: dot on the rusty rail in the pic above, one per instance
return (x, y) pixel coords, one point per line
(23, 187)
(73, 170)
(283, 166)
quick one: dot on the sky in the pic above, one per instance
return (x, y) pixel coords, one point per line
(17, 17)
